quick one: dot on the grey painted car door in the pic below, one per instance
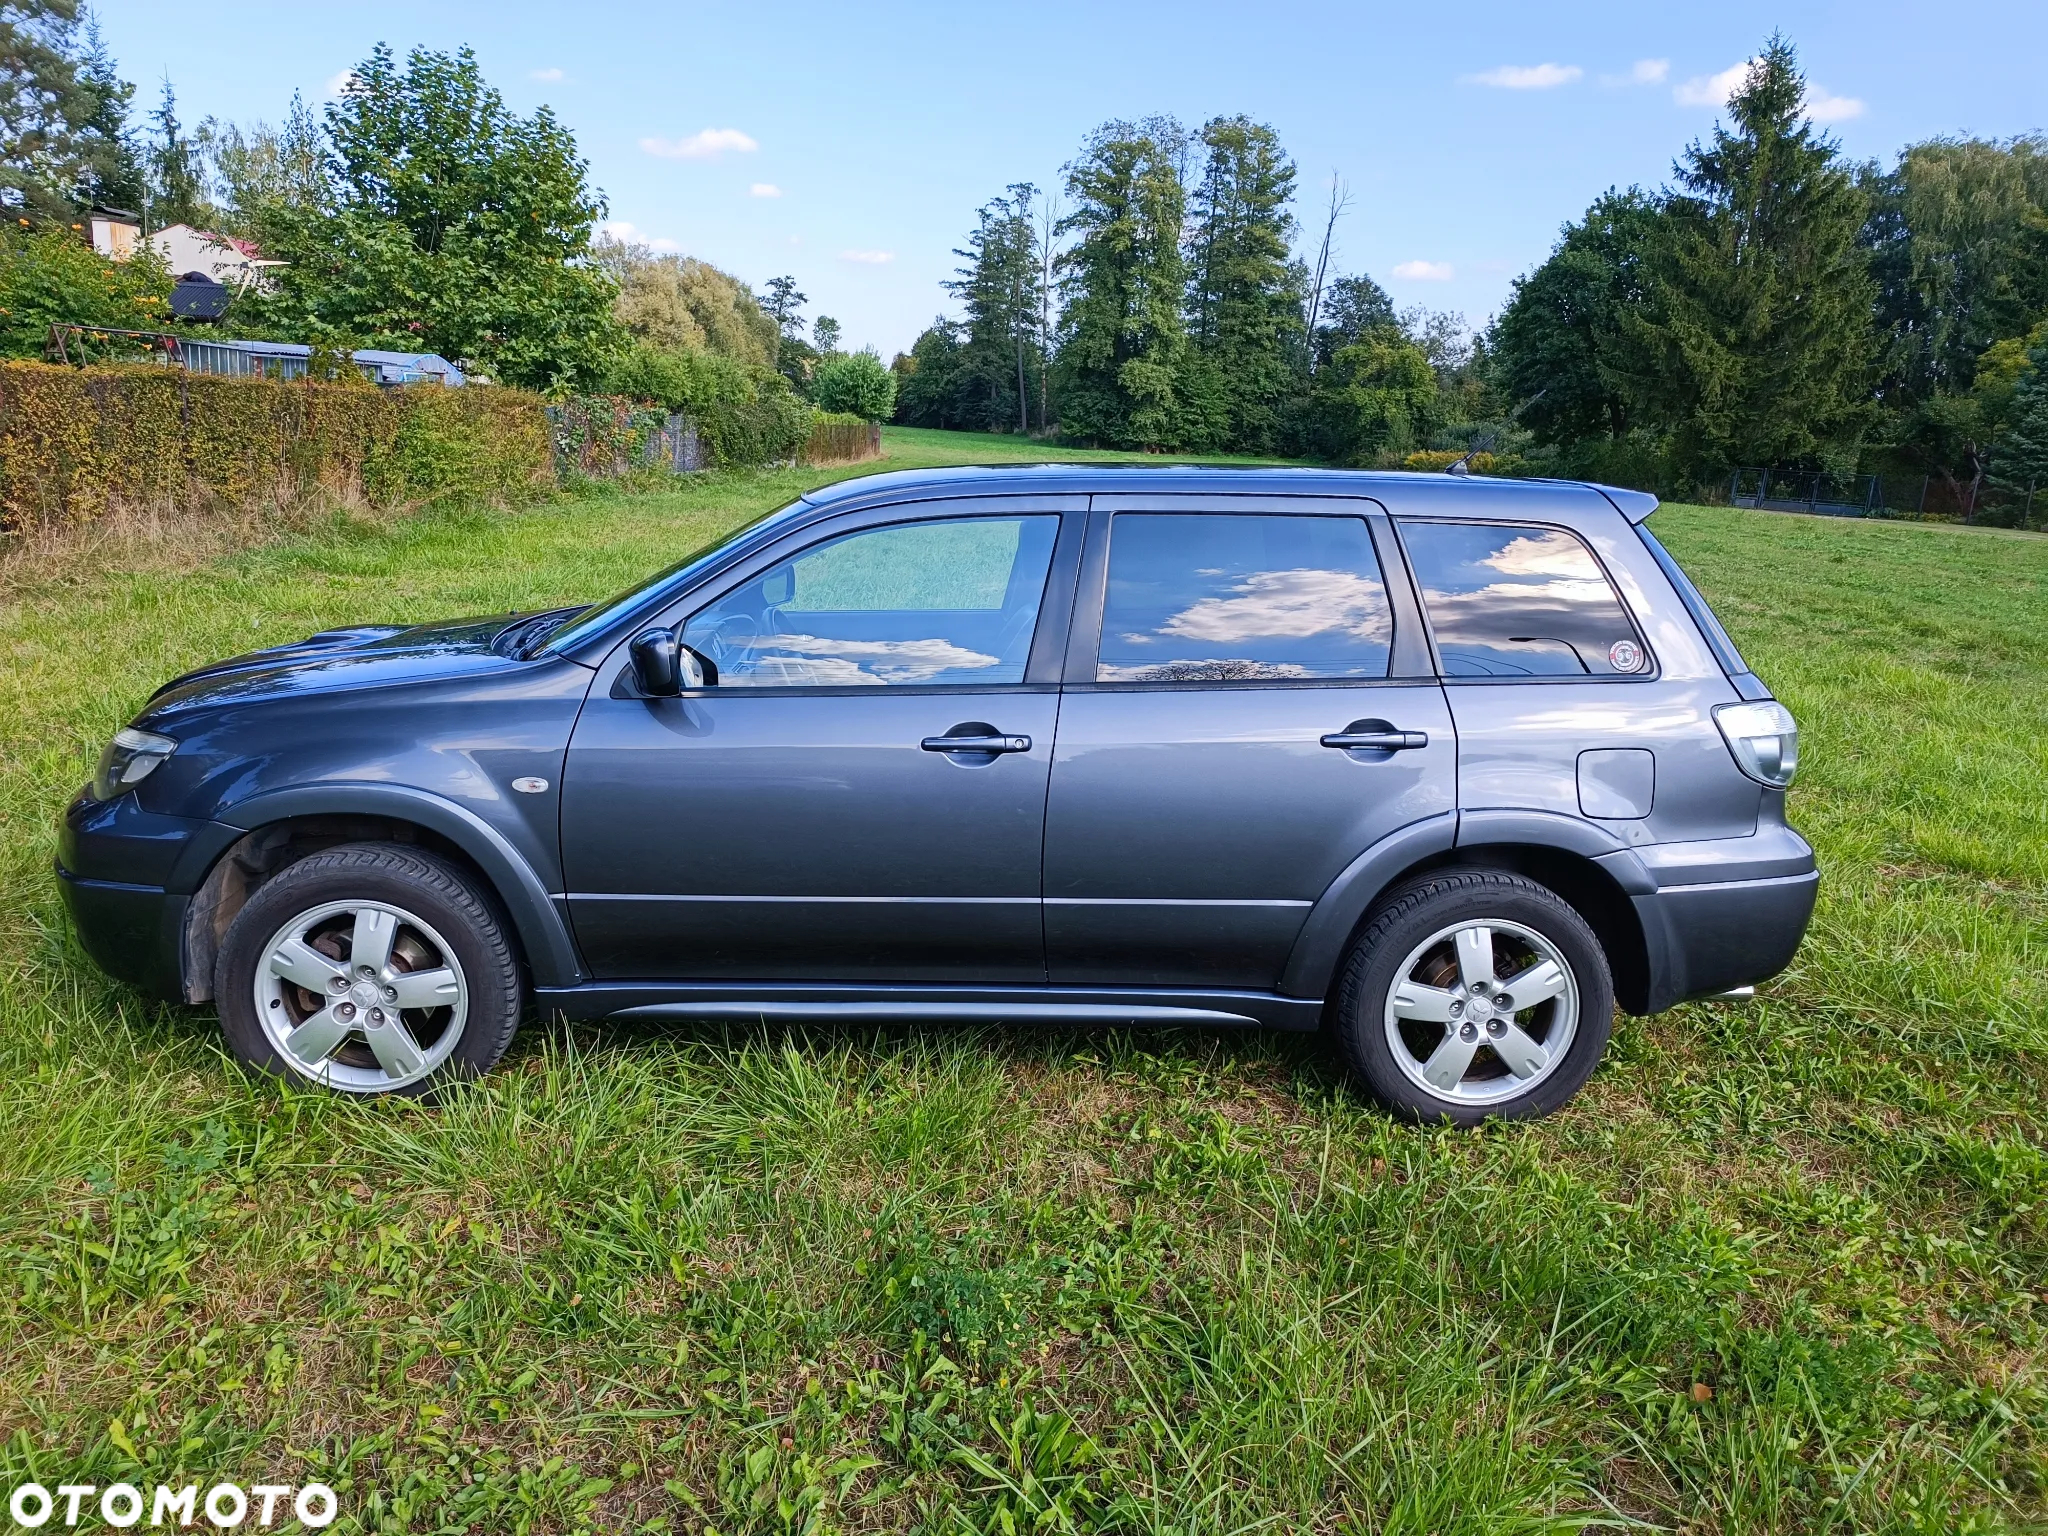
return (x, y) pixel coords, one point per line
(804, 820)
(1203, 794)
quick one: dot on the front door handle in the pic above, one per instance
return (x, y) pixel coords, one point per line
(1375, 736)
(990, 743)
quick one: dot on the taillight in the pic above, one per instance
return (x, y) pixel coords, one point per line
(1763, 738)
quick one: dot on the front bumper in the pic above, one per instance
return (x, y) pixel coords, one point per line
(125, 874)
(1721, 914)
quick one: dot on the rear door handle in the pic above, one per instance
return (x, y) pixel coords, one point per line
(992, 745)
(1375, 736)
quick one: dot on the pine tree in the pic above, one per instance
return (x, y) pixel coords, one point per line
(2020, 458)
(177, 181)
(112, 173)
(1122, 343)
(999, 288)
(1758, 348)
(53, 112)
(1245, 296)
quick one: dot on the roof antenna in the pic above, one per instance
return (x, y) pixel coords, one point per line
(1483, 443)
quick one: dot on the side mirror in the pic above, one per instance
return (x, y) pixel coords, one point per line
(663, 666)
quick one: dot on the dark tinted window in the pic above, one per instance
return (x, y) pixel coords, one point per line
(914, 603)
(1229, 599)
(1518, 601)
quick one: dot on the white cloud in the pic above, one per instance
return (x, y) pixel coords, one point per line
(1544, 554)
(1286, 605)
(1826, 107)
(821, 662)
(1527, 77)
(1424, 271)
(1650, 71)
(622, 229)
(707, 144)
(764, 189)
(868, 258)
(337, 84)
(1713, 90)
(548, 75)
(1822, 106)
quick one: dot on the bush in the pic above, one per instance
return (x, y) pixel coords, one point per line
(857, 384)
(76, 442)
(52, 277)
(745, 415)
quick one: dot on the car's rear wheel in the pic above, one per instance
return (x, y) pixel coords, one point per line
(370, 969)
(1475, 994)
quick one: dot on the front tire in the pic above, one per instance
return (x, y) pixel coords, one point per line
(370, 969)
(1474, 995)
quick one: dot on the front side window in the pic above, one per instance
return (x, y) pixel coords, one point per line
(914, 604)
(1510, 600)
(1227, 598)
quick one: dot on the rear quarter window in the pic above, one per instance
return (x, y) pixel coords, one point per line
(1519, 600)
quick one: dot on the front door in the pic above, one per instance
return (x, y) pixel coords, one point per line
(1255, 710)
(860, 796)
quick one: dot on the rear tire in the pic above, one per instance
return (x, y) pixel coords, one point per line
(369, 969)
(1427, 1011)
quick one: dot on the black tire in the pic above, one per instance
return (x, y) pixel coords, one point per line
(456, 916)
(1414, 914)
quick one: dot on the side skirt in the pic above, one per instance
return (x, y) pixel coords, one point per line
(769, 1002)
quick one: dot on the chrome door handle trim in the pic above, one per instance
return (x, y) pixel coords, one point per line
(1377, 741)
(989, 744)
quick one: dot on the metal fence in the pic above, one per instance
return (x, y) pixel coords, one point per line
(1929, 498)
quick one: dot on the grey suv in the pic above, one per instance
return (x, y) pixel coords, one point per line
(1449, 766)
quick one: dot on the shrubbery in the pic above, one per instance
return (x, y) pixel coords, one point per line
(855, 384)
(75, 443)
(49, 276)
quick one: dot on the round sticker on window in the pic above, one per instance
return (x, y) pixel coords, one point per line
(1625, 656)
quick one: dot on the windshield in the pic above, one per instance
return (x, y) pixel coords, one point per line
(595, 619)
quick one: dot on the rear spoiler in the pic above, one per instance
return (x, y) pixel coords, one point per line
(1633, 505)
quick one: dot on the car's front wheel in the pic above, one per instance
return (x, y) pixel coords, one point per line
(1475, 994)
(369, 968)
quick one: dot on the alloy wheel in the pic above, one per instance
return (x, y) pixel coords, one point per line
(1481, 1012)
(362, 996)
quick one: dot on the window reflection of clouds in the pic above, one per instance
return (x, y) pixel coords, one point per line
(822, 662)
(1263, 596)
(1515, 601)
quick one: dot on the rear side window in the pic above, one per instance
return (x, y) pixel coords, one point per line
(1227, 598)
(1513, 600)
(1696, 605)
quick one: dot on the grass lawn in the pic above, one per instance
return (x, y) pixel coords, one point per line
(1783, 1267)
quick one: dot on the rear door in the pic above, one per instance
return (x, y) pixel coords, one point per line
(1249, 705)
(860, 795)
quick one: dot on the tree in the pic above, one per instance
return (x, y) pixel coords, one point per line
(62, 112)
(857, 384)
(681, 303)
(261, 167)
(999, 289)
(1351, 309)
(1758, 348)
(1245, 297)
(1375, 399)
(177, 180)
(1122, 343)
(49, 276)
(1561, 344)
(825, 331)
(112, 172)
(927, 377)
(2021, 457)
(454, 226)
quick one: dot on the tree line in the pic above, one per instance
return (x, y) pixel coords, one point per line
(1776, 306)
(416, 212)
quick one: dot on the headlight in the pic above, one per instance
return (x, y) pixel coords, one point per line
(131, 757)
(1764, 739)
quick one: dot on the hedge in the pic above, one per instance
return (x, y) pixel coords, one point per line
(76, 442)
(842, 439)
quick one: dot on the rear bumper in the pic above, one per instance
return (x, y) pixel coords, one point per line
(1721, 914)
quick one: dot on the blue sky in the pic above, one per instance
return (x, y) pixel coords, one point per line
(850, 145)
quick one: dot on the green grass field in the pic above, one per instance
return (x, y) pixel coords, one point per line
(1783, 1267)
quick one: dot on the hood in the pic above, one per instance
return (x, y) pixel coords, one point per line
(366, 656)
